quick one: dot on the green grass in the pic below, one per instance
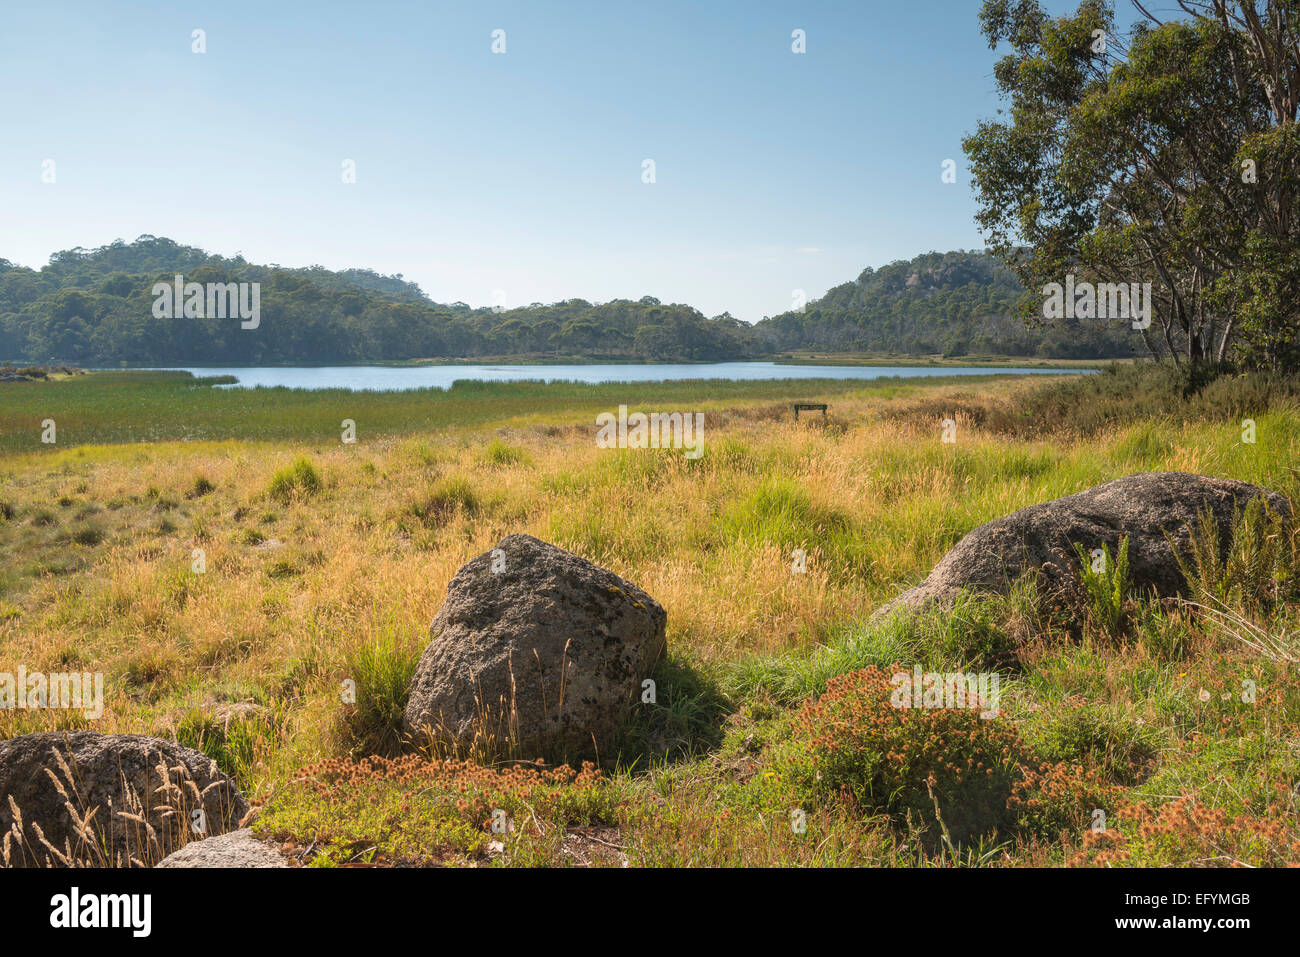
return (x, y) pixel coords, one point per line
(299, 479)
(118, 407)
(380, 672)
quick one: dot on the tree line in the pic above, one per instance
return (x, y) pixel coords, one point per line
(956, 303)
(96, 307)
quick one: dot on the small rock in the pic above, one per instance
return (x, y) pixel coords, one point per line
(235, 849)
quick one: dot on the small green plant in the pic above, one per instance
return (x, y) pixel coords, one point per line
(683, 719)
(381, 669)
(86, 534)
(445, 499)
(973, 633)
(199, 487)
(283, 568)
(299, 480)
(1106, 586)
(238, 739)
(500, 455)
(788, 679)
(1164, 633)
(1111, 740)
(1247, 575)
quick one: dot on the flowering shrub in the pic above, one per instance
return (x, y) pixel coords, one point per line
(957, 773)
(1187, 833)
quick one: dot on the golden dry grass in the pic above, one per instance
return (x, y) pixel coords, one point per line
(293, 590)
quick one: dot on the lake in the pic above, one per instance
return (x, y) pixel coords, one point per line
(400, 378)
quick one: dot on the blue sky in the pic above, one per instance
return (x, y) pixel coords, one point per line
(519, 172)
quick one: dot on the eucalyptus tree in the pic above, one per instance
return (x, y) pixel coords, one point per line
(1166, 154)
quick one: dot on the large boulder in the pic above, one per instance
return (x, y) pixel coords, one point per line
(1152, 508)
(233, 849)
(137, 794)
(535, 651)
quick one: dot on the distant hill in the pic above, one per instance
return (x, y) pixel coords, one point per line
(956, 303)
(95, 307)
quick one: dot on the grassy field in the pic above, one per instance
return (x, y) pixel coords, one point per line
(117, 407)
(324, 561)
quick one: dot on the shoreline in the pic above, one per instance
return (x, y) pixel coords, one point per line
(787, 359)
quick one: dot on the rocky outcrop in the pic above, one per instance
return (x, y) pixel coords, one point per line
(1154, 509)
(537, 649)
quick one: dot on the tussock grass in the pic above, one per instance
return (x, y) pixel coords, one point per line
(380, 670)
(301, 479)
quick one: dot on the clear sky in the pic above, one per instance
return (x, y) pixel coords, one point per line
(520, 171)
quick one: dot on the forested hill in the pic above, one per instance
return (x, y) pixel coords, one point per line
(957, 303)
(95, 307)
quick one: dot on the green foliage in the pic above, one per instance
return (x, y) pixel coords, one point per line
(957, 303)
(1106, 588)
(1156, 157)
(500, 455)
(1246, 574)
(236, 740)
(382, 669)
(683, 721)
(854, 745)
(447, 497)
(85, 534)
(299, 480)
(977, 631)
(789, 679)
(1079, 731)
(1146, 392)
(95, 305)
(1165, 635)
(780, 512)
(199, 487)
